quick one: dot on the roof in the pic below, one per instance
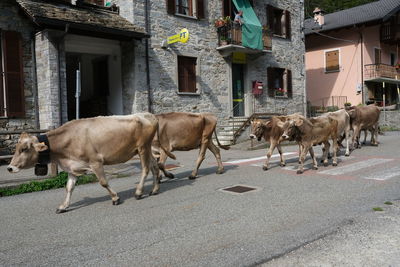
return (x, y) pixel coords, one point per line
(370, 12)
(84, 18)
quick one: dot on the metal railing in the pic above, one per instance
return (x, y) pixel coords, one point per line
(326, 104)
(373, 71)
(231, 33)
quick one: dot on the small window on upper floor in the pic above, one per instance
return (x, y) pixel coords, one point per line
(279, 22)
(279, 82)
(332, 62)
(190, 8)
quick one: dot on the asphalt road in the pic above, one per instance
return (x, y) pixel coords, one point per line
(193, 222)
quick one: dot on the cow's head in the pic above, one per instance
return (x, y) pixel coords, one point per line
(257, 129)
(26, 153)
(291, 129)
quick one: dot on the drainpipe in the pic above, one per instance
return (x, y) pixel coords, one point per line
(35, 84)
(147, 27)
(59, 73)
(362, 68)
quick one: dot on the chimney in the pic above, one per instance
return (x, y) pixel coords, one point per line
(319, 16)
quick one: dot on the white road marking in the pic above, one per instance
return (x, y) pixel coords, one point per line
(309, 165)
(257, 158)
(383, 175)
(355, 166)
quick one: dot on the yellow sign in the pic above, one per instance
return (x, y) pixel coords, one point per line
(239, 57)
(182, 36)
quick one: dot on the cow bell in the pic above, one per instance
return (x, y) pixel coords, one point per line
(41, 169)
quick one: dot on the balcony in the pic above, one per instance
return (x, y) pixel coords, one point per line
(381, 73)
(230, 40)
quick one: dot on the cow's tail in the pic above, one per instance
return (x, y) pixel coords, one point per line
(219, 144)
(169, 154)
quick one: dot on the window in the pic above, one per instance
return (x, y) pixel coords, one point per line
(96, 2)
(228, 9)
(191, 8)
(377, 55)
(279, 83)
(392, 59)
(332, 61)
(12, 100)
(187, 74)
(278, 22)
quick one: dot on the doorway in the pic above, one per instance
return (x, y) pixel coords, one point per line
(93, 100)
(238, 96)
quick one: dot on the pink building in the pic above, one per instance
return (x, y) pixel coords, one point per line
(353, 55)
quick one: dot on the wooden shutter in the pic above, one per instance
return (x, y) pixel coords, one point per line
(200, 9)
(13, 74)
(289, 83)
(187, 74)
(270, 76)
(1, 79)
(332, 60)
(287, 24)
(270, 18)
(170, 6)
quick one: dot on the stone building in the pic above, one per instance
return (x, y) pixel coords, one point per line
(126, 66)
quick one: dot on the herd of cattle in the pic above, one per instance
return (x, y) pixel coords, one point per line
(86, 145)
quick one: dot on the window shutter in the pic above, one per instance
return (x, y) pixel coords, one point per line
(187, 74)
(14, 74)
(332, 60)
(270, 76)
(289, 83)
(270, 18)
(170, 6)
(287, 24)
(200, 9)
(1, 81)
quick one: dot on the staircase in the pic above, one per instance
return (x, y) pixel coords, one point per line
(231, 129)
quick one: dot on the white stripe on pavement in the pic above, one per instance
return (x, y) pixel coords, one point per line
(383, 175)
(355, 166)
(257, 158)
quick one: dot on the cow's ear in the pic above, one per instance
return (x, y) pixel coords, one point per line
(40, 147)
(267, 124)
(298, 122)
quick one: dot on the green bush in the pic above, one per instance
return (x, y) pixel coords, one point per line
(51, 183)
(332, 108)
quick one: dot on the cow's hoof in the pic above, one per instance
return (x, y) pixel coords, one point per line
(315, 168)
(220, 172)
(326, 164)
(58, 211)
(299, 171)
(192, 177)
(153, 193)
(169, 176)
(116, 202)
(374, 144)
(347, 154)
(265, 168)
(321, 161)
(334, 164)
(282, 164)
(138, 196)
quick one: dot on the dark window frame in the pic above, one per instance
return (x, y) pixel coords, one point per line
(279, 78)
(279, 27)
(187, 75)
(175, 7)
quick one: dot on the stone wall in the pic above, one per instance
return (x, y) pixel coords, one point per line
(11, 20)
(390, 119)
(213, 70)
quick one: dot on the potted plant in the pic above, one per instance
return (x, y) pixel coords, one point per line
(224, 40)
(347, 105)
(219, 22)
(280, 92)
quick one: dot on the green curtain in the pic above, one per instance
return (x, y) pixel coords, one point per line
(251, 29)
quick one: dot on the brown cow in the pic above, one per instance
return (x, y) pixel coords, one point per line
(87, 144)
(364, 118)
(181, 131)
(271, 130)
(309, 132)
(343, 120)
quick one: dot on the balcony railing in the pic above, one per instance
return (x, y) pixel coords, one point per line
(374, 71)
(231, 33)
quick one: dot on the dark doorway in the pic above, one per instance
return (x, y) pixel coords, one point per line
(94, 85)
(238, 90)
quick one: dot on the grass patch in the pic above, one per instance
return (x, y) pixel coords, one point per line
(388, 203)
(389, 128)
(56, 182)
(377, 209)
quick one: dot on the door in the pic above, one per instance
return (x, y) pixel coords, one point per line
(238, 90)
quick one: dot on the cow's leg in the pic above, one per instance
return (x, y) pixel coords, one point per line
(283, 163)
(347, 135)
(201, 157)
(356, 136)
(326, 151)
(162, 160)
(374, 133)
(99, 172)
(365, 138)
(215, 150)
(315, 163)
(155, 170)
(335, 147)
(69, 187)
(145, 161)
(304, 149)
(269, 153)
